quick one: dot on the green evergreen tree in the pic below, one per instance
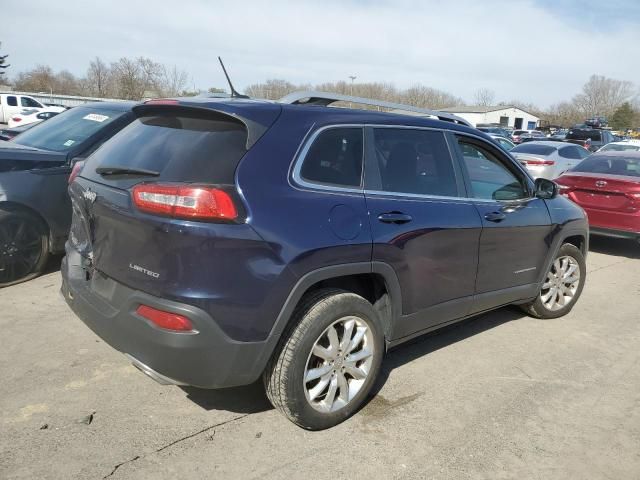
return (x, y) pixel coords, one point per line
(622, 118)
(3, 59)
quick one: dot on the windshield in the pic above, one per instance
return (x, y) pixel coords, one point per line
(594, 135)
(534, 149)
(627, 166)
(612, 147)
(69, 129)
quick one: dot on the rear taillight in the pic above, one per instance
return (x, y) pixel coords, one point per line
(75, 171)
(538, 163)
(16, 119)
(185, 201)
(165, 320)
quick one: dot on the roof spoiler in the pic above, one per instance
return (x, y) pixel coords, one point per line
(325, 99)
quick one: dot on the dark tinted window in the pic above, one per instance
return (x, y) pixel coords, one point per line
(182, 148)
(335, 158)
(29, 102)
(490, 178)
(533, 148)
(570, 152)
(629, 166)
(69, 129)
(594, 135)
(12, 101)
(414, 161)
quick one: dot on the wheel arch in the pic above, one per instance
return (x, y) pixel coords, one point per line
(12, 206)
(375, 281)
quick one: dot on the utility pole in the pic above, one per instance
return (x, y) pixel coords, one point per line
(352, 77)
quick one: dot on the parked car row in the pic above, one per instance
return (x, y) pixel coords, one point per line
(219, 241)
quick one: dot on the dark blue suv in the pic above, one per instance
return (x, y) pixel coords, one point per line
(215, 242)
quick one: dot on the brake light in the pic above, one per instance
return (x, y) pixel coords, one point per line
(165, 320)
(162, 101)
(184, 201)
(75, 171)
(545, 163)
(16, 119)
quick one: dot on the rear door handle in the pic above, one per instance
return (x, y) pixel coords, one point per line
(394, 217)
(495, 217)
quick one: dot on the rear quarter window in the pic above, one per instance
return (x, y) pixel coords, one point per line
(335, 158)
(182, 148)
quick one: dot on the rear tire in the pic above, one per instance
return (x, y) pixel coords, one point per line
(327, 360)
(562, 286)
(24, 247)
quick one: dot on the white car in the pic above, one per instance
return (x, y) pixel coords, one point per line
(28, 116)
(622, 146)
(548, 159)
(12, 103)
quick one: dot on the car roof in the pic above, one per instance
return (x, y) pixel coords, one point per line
(322, 115)
(124, 106)
(550, 143)
(626, 142)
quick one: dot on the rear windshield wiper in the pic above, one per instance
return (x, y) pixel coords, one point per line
(117, 170)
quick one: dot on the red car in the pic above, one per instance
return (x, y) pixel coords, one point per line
(607, 186)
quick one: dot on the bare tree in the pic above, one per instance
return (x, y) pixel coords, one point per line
(135, 78)
(98, 81)
(3, 65)
(484, 97)
(172, 81)
(602, 96)
(39, 79)
(272, 89)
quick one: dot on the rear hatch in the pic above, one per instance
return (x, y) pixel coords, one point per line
(156, 207)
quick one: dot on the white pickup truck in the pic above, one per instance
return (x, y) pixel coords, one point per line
(10, 104)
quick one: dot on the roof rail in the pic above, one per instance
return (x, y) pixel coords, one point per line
(325, 99)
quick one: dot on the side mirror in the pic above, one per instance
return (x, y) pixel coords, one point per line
(546, 189)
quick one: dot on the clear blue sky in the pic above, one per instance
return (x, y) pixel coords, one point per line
(536, 51)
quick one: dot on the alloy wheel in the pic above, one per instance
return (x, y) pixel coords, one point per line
(339, 364)
(561, 284)
(20, 248)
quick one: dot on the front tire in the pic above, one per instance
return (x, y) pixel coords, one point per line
(327, 361)
(24, 247)
(562, 286)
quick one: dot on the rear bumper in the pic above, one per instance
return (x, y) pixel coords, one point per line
(206, 358)
(609, 232)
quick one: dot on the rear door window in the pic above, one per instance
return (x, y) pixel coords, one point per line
(181, 147)
(12, 101)
(570, 152)
(335, 158)
(414, 161)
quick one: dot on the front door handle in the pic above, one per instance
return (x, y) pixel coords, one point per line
(394, 217)
(495, 217)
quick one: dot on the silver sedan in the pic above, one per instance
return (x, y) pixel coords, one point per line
(545, 159)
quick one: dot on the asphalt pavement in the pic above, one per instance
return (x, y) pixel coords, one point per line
(500, 396)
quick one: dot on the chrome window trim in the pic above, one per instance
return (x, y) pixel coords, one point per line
(310, 138)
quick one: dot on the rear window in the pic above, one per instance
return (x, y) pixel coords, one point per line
(593, 135)
(628, 166)
(534, 149)
(69, 129)
(182, 148)
(612, 147)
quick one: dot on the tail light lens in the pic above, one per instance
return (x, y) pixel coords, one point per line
(16, 119)
(538, 163)
(165, 320)
(75, 171)
(185, 201)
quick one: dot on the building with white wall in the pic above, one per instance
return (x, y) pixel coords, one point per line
(506, 116)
